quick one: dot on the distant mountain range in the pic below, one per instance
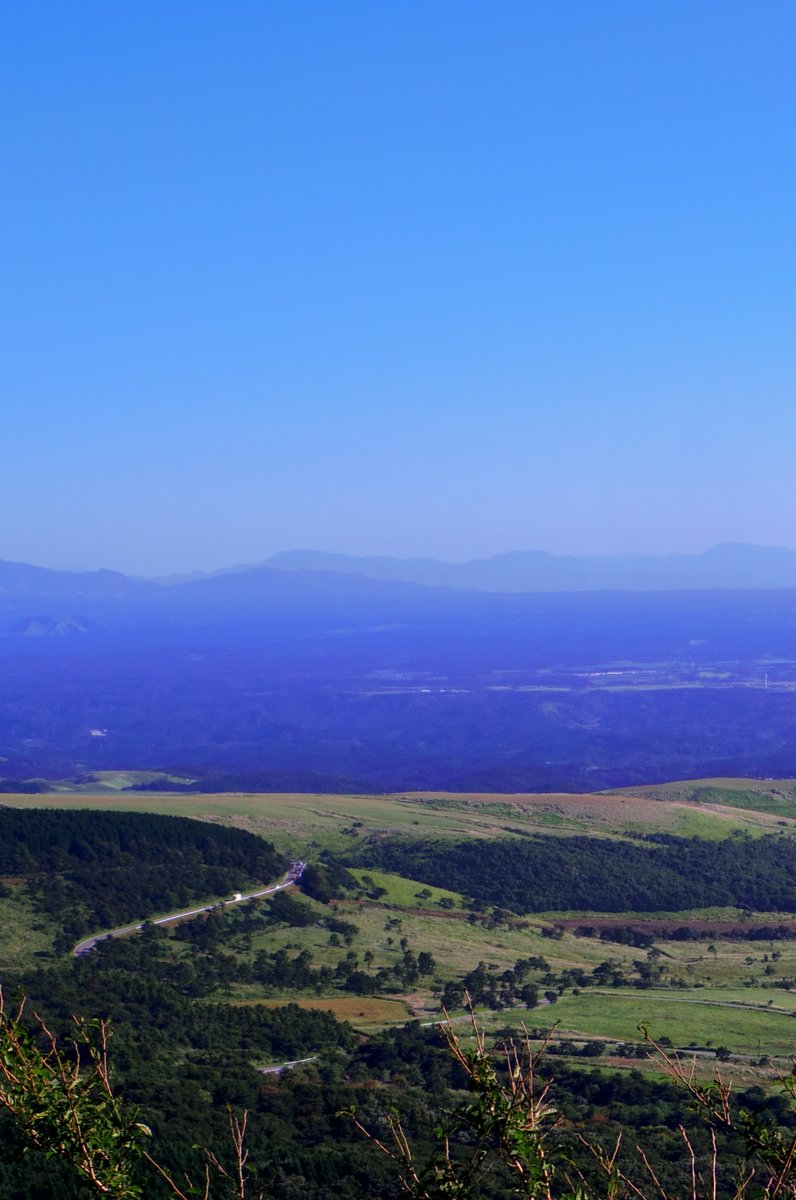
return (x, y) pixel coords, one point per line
(22, 585)
(731, 565)
(35, 600)
(21, 579)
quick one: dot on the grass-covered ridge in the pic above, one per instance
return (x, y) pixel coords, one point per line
(303, 823)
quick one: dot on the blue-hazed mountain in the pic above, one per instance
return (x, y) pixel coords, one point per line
(45, 625)
(113, 599)
(316, 579)
(36, 600)
(731, 565)
(22, 579)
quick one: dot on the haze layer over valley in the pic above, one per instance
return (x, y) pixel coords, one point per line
(331, 680)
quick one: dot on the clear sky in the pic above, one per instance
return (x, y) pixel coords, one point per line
(401, 277)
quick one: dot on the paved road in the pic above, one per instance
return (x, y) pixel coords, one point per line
(292, 877)
(285, 1066)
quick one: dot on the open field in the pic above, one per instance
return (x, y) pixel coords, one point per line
(723, 919)
(456, 944)
(301, 823)
(684, 788)
(721, 964)
(775, 999)
(777, 797)
(406, 893)
(363, 1012)
(688, 1022)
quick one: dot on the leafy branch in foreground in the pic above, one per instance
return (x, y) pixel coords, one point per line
(64, 1109)
(510, 1123)
(61, 1099)
(767, 1169)
(62, 1102)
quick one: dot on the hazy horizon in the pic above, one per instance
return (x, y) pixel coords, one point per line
(443, 282)
(65, 565)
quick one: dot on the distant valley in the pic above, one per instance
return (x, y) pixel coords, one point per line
(306, 680)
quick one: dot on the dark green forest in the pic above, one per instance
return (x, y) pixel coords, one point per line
(97, 870)
(43, 839)
(655, 873)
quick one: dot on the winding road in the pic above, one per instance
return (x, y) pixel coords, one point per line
(290, 878)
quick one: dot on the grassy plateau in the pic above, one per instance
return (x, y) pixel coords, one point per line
(709, 992)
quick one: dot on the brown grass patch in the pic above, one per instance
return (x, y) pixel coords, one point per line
(356, 1009)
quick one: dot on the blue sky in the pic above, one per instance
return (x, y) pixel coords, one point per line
(446, 278)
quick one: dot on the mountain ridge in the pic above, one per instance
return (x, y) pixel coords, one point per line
(316, 574)
(729, 564)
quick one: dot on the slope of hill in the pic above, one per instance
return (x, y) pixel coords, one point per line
(17, 579)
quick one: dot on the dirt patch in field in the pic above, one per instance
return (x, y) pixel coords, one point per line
(420, 1005)
(356, 1009)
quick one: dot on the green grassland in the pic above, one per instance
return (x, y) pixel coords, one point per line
(703, 1024)
(731, 964)
(774, 797)
(778, 804)
(306, 823)
(456, 944)
(715, 977)
(406, 893)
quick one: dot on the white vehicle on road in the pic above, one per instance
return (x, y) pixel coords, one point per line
(291, 877)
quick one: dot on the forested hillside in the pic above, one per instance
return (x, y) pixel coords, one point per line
(656, 873)
(94, 870)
